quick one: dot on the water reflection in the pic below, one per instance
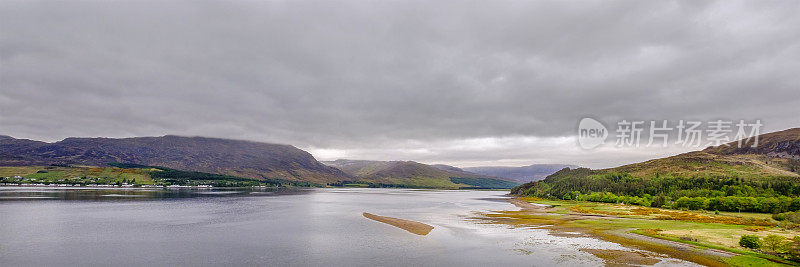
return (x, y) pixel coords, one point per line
(117, 194)
(271, 227)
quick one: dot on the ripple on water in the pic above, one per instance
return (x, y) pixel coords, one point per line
(219, 192)
(27, 197)
(120, 195)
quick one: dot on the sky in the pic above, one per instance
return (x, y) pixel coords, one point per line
(466, 83)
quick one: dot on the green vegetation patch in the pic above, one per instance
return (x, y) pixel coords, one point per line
(750, 260)
(483, 183)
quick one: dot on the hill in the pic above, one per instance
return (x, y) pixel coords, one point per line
(782, 144)
(523, 174)
(415, 174)
(769, 170)
(126, 175)
(237, 158)
(459, 171)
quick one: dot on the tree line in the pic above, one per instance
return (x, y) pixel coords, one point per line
(761, 194)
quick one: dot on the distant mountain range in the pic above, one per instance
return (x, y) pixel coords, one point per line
(523, 174)
(246, 159)
(417, 174)
(213, 155)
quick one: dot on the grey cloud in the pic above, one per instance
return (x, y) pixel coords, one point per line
(362, 75)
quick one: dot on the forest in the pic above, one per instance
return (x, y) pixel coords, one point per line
(768, 194)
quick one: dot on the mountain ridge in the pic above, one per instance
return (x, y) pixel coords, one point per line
(775, 158)
(780, 144)
(523, 174)
(413, 173)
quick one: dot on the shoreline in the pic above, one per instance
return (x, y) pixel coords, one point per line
(98, 186)
(567, 224)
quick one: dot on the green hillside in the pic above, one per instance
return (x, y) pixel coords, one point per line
(130, 174)
(76, 174)
(415, 174)
(761, 179)
(255, 160)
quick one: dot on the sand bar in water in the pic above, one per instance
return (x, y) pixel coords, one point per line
(411, 226)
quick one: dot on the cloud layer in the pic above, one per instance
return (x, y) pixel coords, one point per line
(460, 82)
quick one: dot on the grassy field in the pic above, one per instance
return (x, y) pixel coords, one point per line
(697, 228)
(55, 174)
(723, 229)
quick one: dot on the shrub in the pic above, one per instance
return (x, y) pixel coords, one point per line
(651, 231)
(787, 225)
(750, 241)
(787, 216)
(793, 247)
(755, 228)
(692, 203)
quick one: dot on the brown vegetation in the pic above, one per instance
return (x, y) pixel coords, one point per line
(661, 214)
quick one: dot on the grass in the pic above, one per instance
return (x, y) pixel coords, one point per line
(21, 171)
(718, 230)
(746, 257)
(624, 223)
(699, 228)
(607, 229)
(52, 174)
(750, 260)
(705, 164)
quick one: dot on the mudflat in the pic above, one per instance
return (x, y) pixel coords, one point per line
(410, 226)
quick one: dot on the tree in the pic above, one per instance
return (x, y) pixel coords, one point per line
(658, 201)
(750, 241)
(794, 247)
(773, 242)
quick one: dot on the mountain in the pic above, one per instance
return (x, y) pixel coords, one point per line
(783, 144)
(212, 155)
(447, 168)
(523, 174)
(415, 174)
(776, 154)
(773, 164)
(459, 171)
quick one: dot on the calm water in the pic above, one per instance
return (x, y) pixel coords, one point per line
(68, 227)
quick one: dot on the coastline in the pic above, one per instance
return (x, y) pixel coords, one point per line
(111, 186)
(561, 222)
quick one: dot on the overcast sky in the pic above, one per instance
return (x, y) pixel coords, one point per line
(466, 83)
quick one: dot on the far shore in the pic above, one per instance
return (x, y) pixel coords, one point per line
(110, 186)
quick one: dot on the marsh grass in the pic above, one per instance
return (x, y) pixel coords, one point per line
(685, 216)
(706, 229)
